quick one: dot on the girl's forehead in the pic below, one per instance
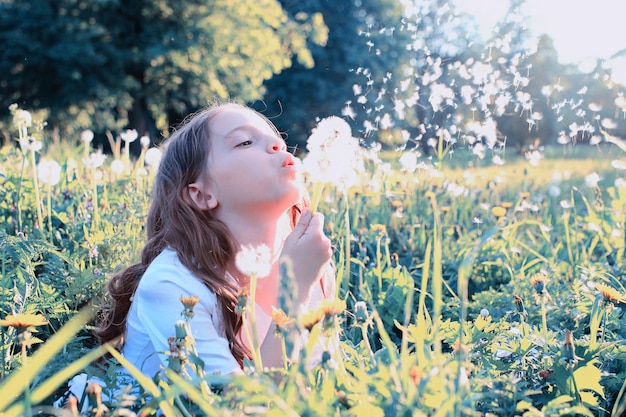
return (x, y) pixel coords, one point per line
(228, 120)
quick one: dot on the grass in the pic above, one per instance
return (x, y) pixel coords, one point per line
(454, 322)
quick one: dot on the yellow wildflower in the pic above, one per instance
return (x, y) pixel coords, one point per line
(378, 228)
(610, 294)
(189, 302)
(23, 321)
(498, 211)
(506, 204)
(280, 318)
(310, 318)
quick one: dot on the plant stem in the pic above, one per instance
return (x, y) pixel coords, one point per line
(366, 340)
(318, 188)
(256, 350)
(96, 211)
(544, 318)
(36, 185)
(49, 192)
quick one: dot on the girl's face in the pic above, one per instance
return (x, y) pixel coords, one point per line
(249, 167)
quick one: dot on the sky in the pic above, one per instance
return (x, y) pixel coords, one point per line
(582, 30)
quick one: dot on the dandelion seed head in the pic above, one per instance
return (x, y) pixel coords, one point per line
(129, 135)
(49, 172)
(86, 136)
(117, 166)
(592, 180)
(254, 260)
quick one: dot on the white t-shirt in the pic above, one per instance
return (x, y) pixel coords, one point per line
(156, 307)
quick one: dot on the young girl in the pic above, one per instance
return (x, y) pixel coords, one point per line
(225, 181)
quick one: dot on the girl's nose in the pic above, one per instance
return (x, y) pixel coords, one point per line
(277, 145)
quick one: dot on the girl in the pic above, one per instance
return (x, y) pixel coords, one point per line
(225, 181)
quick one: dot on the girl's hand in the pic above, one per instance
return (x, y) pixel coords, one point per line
(309, 250)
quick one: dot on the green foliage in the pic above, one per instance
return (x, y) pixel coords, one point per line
(143, 64)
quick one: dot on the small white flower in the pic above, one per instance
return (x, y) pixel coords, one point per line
(95, 160)
(129, 135)
(592, 180)
(334, 155)
(254, 261)
(22, 118)
(153, 157)
(86, 136)
(31, 144)
(117, 166)
(566, 204)
(49, 172)
(145, 141)
(408, 161)
(618, 163)
(501, 353)
(484, 312)
(554, 190)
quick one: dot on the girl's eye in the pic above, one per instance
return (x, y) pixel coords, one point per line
(245, 143)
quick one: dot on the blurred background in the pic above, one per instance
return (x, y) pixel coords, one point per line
(515, 75)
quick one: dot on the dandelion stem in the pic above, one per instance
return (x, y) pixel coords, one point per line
(347, 256)
(318, 188)
(96, 211)
(256, 351)
(49, 204)
(544, 317)
(36, 185)
(366, 341)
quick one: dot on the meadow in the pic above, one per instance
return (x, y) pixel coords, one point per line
(464, 288)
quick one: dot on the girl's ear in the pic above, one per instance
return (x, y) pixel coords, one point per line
(197, 194)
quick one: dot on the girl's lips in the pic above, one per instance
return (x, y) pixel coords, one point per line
(289, 161)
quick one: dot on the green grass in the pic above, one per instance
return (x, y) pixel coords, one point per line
(443, 333)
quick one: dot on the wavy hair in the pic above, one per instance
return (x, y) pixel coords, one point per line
(203, 243)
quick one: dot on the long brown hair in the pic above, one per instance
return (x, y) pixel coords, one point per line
(203, 243)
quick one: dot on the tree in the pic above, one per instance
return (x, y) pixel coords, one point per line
(362, 39)
(142, 64)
